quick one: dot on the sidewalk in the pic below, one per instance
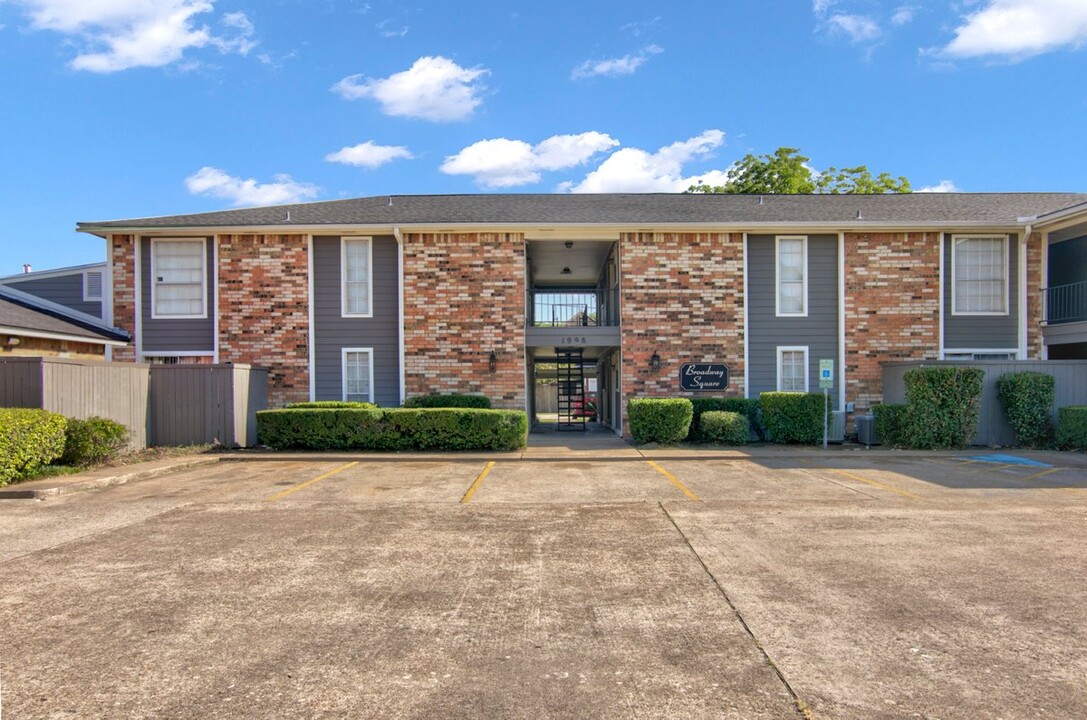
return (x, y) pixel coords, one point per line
(105, 477)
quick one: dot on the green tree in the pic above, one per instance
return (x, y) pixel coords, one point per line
(786, 172)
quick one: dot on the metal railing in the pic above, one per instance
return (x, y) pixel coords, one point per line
(1065, 303)
(574, 309)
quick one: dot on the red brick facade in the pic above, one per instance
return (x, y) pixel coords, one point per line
(1034, 296)
(892, 306)
(682, 298)
(263, 309)
(464, 297)
(123, 260)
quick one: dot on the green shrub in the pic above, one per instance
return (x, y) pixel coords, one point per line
(793, 417)
(725, 428)
(941, 407)
(746, 406)
(888, 421)
(1027, 398)
(449, 400)
(392, 429)
(28, 439)
(1072, 427)
(91, 441)
(660, 420)
(330, 404)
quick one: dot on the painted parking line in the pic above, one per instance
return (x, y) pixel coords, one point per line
(674, 480)
(475, 485)
(299, 486)
(875, 483)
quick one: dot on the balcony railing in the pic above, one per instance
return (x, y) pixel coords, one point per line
(1066, 303)
(574, 309)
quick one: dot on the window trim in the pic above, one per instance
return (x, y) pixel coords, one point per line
(781, 350)
(344, 352)
(954, 277)
(203, 315)
(87, 296)
(777, 276)
(369, 276)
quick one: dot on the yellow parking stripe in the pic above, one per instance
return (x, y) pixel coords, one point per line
(675, 481)
(479, 481)
(876, 483)
(299, 486)
(1040, 473)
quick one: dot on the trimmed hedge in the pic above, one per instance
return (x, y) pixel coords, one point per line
(725, 428)
(1027, 398)
(660, 420)
(793, 417)
(449, 400)
(1072, 427)
(330, 404)
(888, 421)
(941, 407)
(392, 429)
(748, 407)
(29, 438)
(91, 441)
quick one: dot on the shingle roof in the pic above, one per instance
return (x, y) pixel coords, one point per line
(628, 209)
(23, 311)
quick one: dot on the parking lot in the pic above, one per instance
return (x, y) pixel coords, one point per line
(670, 584)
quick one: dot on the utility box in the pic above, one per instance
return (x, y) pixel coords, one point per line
(866, 430)
(836, 429)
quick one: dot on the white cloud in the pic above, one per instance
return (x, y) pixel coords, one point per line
(625, 65)
(433, 88)
(506, 163)
(116, 35)
(857, 27)
(944, 186)
(213, 182)
(368, 155)
(388, 30)
(1017, 29)
(903, 15)
(635, 170)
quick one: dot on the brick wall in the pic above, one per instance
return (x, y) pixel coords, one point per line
(464, 296)
(37, 347)
(264, 309)
(683, 298)
(123, 259)
(1034, 296)
(892, 306)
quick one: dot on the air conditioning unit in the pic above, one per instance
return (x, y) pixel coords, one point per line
(836, 429)
(866, 430)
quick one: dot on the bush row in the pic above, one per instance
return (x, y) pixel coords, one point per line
(29, 439)
(449, 400)
(392, 429)
(1072, 427)
(779, 416)
(749, 407)
(1027, 398)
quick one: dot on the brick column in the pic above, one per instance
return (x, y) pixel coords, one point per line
(1034, 296)
(123, 268)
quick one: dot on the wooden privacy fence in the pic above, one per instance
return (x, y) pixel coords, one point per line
(1070, 388)
(160, 405)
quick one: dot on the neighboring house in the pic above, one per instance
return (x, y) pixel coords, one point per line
(30, 325)
(79, 287)
(385, 298)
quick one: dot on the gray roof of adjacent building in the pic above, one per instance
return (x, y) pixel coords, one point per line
(635, 210)
(20, 311)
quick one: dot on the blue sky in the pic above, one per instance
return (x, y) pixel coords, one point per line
(131, 108)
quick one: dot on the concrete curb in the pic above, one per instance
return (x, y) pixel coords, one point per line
(67, 484)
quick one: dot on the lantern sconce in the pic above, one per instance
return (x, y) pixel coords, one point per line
(492, 361)
(655, 362)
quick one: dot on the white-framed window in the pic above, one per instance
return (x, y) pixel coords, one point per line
(358, 374)
(356, 273)
(979, 355)
(92, 286)
(979, 274)
(793, 368)
(179, 278)
(791, 264)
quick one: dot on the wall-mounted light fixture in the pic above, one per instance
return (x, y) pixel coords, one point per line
(655, 362)
(566, 271)
(492, 361)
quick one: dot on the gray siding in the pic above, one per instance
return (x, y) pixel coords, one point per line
(332, 332)
(1068, 262)
(818, 331)
(176, 335)
(66, 290)
(983, 331)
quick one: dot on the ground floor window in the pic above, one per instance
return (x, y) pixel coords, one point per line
(792, 369)
(358, 374)
(179, 359)
(983, 355)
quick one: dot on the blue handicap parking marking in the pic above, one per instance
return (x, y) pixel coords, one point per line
(1010, 460)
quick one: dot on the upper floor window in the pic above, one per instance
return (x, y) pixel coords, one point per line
(356, 271)
(791, 258)
(179, 278)
(979, 275)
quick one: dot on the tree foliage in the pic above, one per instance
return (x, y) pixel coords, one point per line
(786, 172)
